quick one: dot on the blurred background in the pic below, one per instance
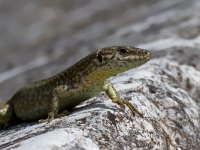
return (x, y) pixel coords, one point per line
(41, 38)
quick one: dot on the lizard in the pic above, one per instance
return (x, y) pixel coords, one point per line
(46, 99)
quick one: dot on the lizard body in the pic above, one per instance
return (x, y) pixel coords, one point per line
(81, 81)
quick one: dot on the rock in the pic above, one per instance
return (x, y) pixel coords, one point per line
(166, 89)
(158, 89)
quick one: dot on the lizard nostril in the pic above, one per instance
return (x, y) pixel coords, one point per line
(147, 54)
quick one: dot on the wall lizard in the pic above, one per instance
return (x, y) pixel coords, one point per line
(49, 97)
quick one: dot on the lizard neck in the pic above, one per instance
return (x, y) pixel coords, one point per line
(77, 74)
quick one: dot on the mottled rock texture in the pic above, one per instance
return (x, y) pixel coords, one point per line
(39, 39)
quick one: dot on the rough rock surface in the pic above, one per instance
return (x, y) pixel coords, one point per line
(166, 89)
(159, 89)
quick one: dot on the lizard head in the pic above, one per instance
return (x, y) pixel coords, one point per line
(5, 115)
(124, 56)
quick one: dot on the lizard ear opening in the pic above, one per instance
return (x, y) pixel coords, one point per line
(100, 58)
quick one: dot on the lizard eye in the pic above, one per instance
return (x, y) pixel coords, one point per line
(123, 50)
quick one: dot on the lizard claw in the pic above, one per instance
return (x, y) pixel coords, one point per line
(48, 119)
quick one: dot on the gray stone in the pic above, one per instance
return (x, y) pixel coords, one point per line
(166, 89)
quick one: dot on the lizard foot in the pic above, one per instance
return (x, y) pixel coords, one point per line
(63, 114)
(122, 103)
(112, 94)
(51, 116)
(48, 119)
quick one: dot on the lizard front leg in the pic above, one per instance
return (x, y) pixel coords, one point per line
(54, 105)
(53, 108)
(112, 94)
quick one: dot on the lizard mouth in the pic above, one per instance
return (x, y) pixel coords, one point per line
(143, 55)
(146, 57)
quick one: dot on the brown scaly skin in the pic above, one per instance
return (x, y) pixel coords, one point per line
(83, 80)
